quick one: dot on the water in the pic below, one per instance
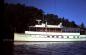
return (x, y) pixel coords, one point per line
(50, 48)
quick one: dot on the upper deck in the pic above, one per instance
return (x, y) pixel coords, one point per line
(52, 28)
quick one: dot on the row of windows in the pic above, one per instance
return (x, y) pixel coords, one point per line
(63, 37)
(71, 31)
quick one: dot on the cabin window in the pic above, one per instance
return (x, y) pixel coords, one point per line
(78, 31)
(67, 36)
(74, 37)
(65, 30)
(62, 37)
(77, 36)
(48, 36)
(57, 36)
(52, 36)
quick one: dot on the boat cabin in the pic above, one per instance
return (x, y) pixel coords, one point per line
(52, 28)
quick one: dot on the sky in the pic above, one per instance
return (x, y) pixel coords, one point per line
(73, 10)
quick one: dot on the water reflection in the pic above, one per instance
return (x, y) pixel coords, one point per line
(50, 48)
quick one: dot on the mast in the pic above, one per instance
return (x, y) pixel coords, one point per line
(46, 25)
(38, 21)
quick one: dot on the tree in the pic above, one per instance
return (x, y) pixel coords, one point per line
(19, 16)
(51, 19)
(82, 25)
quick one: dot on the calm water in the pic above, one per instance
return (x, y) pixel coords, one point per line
(50, 48)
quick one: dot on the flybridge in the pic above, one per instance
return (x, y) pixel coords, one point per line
(49, 26)
(44, 27)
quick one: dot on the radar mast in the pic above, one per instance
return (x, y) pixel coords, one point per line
(38, 21)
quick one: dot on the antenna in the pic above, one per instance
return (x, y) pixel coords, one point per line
(38, 21)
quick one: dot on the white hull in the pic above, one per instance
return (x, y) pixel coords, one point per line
(37, 37)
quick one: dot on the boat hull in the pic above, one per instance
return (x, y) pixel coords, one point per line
(31, 37)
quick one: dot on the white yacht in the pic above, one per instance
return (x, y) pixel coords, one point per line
(45, 32)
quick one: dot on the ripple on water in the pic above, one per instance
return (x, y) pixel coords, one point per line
(50, 48)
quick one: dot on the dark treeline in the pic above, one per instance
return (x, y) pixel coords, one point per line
(19, 17)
